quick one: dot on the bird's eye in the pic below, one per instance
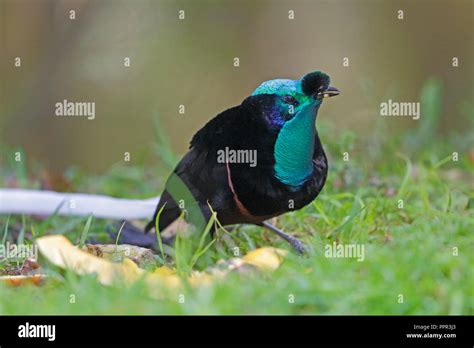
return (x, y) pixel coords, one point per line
(288, 99)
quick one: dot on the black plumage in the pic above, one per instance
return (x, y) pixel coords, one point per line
(240, 193)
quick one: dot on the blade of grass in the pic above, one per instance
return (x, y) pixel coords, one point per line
(201, 249)
(441, 163)
(250, 243)
(321, 212)
(118, 235)
(21, 236)
(197, 255)
(227, 233)
(44, 224)
(179, 249)
(401, 189)
(349, 220)
(33, 231)
(158, 233)
(69, 226)
(430, 98)
(449, 200)
(85, 231)
(5, 232)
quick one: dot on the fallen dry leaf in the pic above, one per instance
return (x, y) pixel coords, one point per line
(267, 258)
(116, 253)
(60, 252)
(26, 272)
(18, 280)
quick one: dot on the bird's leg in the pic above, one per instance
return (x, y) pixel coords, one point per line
(294, 242)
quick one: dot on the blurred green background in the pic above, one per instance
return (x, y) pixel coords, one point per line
(190, 62)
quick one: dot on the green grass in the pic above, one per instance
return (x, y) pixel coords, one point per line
(422, 251)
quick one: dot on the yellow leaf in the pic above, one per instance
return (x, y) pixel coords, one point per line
(18, 280)
(60, 252)
(165, 271)
(200, 279)
(116, 253)
(267, 258)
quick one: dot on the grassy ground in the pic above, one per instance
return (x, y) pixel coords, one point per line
(418, 257)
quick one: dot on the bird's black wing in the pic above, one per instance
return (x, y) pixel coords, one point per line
(201, 173)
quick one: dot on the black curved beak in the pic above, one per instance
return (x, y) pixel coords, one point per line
(329, 92)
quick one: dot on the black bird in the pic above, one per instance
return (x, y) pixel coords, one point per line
(251, 162)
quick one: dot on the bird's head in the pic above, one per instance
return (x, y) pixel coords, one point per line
(291, 99)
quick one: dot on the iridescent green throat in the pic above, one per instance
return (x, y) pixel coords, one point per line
(294, 149)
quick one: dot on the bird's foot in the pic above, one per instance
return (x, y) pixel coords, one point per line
(294, 242)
